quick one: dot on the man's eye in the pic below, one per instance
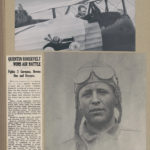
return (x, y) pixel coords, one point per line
(86, 94)
(101, 91)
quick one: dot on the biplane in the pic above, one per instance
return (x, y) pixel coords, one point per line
(101, 30)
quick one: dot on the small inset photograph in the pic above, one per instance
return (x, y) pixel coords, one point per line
(75, 25)
(95, 101)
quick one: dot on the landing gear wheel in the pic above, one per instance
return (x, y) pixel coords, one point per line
(74, 46)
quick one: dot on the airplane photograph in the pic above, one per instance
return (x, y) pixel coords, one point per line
(75, 25)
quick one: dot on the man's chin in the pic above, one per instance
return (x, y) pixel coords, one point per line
(97, 119)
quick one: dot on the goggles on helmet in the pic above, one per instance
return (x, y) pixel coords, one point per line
(100, 72)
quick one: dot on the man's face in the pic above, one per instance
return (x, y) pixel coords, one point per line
(82, 11)
(97, 101)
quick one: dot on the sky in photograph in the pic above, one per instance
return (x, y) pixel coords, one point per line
(34, 5)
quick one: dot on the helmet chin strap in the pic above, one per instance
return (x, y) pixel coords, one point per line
(116, 114)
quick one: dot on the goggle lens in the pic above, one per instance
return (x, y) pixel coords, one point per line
(101, 72)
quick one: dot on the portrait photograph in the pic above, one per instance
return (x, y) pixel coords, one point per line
(75, 25)
(95, 101)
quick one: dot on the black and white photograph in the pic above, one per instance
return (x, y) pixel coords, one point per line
(95, 101)
(75, 25)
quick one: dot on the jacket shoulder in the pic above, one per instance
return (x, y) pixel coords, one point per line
(133, 139)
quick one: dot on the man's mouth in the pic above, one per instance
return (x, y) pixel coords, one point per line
(96, 110)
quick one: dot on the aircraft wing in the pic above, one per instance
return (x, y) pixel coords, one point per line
(87, 36)
(65, 4)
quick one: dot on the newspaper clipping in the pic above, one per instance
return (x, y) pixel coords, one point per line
(24, 102)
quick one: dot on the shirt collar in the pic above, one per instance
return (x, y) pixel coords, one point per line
(91, 135)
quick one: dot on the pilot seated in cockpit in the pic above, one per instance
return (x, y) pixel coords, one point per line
(82, 10)
(92, 15)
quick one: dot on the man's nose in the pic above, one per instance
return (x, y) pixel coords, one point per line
(95, 99)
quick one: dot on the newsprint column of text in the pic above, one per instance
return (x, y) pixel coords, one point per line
(24, 102)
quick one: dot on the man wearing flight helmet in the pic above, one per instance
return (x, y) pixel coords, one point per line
(99, 111)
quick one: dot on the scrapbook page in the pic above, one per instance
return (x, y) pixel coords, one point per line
(75, 75)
